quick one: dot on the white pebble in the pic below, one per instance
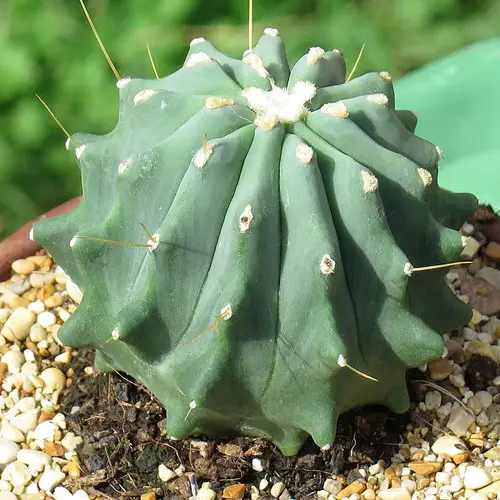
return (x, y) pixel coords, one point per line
(456, 484)
(27, 421)
(37, 307)
(206, 494)
(476, 477)
(443, 477)
(263, 484)
(395, 494)
(257, 465)
(26, 404)
(485, 398)
(482, 419)
(166, 474)
(7, 495)
(50, 479)
(69, 442)
(277, 489)
(432, 400)
(37, 333)
(8, 451)
(61, 493)
(409, 484)
(448, 446)
(36, 460)
(46, 319)
(18, 325)
(11, 433)
(469, 333)
(54, 379)
(459, 420)
(45, 431)
(14, 359)
(73, 291)
(16, 474)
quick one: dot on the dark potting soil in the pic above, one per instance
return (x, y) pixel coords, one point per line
(124, 440)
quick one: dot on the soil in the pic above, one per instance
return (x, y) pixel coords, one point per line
(123, 428)
(124, 438)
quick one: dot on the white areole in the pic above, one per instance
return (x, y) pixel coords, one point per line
(279, 105)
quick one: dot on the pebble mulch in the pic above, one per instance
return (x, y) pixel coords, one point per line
(37, 453)
(451, 448)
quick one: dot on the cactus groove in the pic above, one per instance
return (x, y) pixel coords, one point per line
(282, 212)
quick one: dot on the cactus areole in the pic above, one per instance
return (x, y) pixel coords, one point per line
(278, 216)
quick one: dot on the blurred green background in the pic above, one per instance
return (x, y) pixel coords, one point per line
(47, 47)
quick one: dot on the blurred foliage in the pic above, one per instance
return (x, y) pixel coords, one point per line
(47, 47)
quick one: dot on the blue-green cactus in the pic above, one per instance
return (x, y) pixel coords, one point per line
(280, 246)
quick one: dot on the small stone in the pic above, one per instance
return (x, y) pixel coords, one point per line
(80, 495)
(277, 489)
(36, 460)
(432, 400)
(14, 359)
(55, 300)
(493, 453)
(471, 248)
(8, 451)
(456, 484)
(263, 484)
(485, 399)
(493, 250)
(492, 490)
(440, 369)
(69, 441)
(11, 433)
(395, 494)
(54, 379)
(443, 477)
(448, 446)
(26, 422)
(355, 488)
(50, 478)
(18, 325)
(73, 469)
(234, 491)
(206, 494)
(46, 319)
(461, 458)
(459, 420)
(332, 486)
(425, 468)
(148, 496)
(74, 292)
(61, 493)
(23, 266)
(37, 333)
(166, 474)
(53, 449)
(17, 474)
(45, 431)
(257, 465)
(479, 496)
(7, 495)
(482, 295)
(476, 477)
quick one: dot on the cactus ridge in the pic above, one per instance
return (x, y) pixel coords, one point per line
(279, 248)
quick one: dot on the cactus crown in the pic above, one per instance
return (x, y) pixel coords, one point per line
(271, 285)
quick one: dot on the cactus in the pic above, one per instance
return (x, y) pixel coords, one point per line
(272, 223)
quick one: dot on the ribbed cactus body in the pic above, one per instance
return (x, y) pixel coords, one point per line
(279, 246)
